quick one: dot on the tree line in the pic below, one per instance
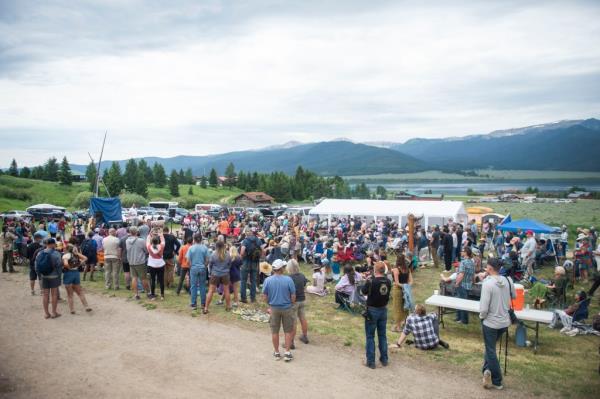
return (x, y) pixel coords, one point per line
(138, 175)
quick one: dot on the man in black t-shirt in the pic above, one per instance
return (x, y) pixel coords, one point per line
(377, 289)
(32, 250)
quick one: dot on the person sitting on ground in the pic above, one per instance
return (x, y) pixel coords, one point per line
(344, 289)
(318, 283)
(424, 327)
(576, 312)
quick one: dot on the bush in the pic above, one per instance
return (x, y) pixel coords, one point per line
(16, 194)
(129, 199)
(187, 202)
(82, 200)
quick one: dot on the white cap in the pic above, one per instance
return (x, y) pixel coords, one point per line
(278, 264)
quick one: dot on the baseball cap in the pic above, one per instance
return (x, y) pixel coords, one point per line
(50, 241)
(278, 264)
(529, 233)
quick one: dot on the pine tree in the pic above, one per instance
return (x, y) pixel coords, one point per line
(13, 170)
(203, 182)
(90, 175)
(174, 183)
(130, 175)
(230, 174)
(160, 177)
(191, 190)
(213, 179)
(51, 170)
(113, 179)
(189, 176)
(64, 174)
(148, 175)
(181, 177)
(25, 172)
(141, 187)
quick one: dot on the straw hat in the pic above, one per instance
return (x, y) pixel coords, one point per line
(265, 268)
(582, 236)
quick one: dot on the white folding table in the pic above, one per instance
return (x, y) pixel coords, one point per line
(530, 315)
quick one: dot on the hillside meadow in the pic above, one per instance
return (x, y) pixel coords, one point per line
(18, 193)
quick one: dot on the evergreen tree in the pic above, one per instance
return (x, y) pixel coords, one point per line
(141, 187)
(13, 170)
(230, 174)
(37, 173)
(148, 175)
(191, 190)
(160, 177)
(25, 172)
(51, 170)
(113, 179)
(213, 179)
(203, 182)
(130, 175)
(181, 177)
(90, 174)
(64, 174)
(241, 180)
(253, 186)
(174, 184)
(381, 192)
(189, 176)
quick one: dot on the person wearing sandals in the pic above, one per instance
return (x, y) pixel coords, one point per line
(219, 265)
(50, 281)
(279, 292)
(72, 261)
(155, 244)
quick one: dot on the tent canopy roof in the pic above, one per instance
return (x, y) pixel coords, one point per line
(344, 207)
(527, 224)
(46, 206)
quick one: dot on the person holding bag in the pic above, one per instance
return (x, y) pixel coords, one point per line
(494, 312)
(73, 262)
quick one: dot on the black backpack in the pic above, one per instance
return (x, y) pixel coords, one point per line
(253, 250)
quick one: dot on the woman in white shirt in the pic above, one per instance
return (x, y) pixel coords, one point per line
(318, 285)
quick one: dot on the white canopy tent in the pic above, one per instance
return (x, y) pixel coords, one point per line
(433, 212)
(46, 206)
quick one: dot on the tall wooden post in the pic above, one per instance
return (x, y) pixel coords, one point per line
(411, 233)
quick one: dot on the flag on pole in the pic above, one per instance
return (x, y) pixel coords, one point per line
(506, 220)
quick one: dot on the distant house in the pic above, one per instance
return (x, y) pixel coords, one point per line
(580, 195)
(252, 199)
(78, 176)
(413, 196)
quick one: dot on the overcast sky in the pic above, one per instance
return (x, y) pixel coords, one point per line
(196, 77)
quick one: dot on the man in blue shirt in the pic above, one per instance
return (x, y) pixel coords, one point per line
(197, 255)
(280, 293)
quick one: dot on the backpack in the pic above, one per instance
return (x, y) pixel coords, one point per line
(253, 251)
(87, 248)
(43, 263)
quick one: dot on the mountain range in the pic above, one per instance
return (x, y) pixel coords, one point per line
(572, 145)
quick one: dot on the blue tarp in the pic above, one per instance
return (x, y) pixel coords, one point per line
(109, 207)
(527, 224)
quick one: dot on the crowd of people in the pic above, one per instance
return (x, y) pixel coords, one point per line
(234, 254)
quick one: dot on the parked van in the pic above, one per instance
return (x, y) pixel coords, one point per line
(207, 208)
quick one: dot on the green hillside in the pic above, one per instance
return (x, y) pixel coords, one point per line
(18, 193)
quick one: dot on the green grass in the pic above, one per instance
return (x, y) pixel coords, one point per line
(564, 366)
(18, 193)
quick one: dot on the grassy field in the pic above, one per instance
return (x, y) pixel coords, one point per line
(17, 193)
(564, 366)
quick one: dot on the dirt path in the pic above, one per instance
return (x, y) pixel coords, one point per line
(121, 350)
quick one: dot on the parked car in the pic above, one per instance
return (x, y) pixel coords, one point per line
(48, 214)
(81, 214)
(16, 215)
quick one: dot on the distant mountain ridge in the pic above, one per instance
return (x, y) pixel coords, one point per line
(570, 145)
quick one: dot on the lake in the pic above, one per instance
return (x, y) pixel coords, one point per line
(460, 188)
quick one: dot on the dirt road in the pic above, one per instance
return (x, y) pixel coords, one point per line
(121, 350)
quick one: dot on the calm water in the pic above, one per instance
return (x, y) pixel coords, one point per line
(461, 188)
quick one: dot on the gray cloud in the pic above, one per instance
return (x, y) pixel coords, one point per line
(198, 77)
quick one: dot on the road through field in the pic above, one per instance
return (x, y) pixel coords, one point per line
(121, 350)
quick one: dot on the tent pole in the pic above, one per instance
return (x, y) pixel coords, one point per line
(99, 162)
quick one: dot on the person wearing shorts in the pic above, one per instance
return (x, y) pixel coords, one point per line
(51, 281)
(71, 261)
(279, 292)
(299, 312)
(220, 264)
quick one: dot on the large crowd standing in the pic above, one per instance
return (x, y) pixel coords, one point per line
(234, 254)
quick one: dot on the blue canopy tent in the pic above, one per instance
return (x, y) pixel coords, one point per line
(107, 210)
(530, 224)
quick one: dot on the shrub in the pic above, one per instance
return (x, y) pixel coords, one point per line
(14, 193)
(82, 200)
(129, 199)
